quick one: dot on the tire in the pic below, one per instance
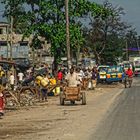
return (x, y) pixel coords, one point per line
(120, 81)
(83, 98)
(61, 98)
(109, 83)
(72, 102)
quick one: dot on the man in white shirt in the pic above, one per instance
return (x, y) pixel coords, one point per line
(12, 81)
(72, 78)
(20, 77)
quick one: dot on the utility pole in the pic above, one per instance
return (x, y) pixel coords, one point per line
(7, 32)
(11, 37)
(67, 33)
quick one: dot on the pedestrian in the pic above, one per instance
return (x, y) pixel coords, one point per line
(89, 75)
(129, 72)
(4, 80)
(80, 77)
(30, 70)
(12, 81)
(94, 78)
(72, 78)
(44, 89)
(20, 77)
(59, 76)
(1, 74)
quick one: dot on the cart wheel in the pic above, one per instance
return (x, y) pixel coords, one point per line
(72, 102)
(83, 98)
(61, 98)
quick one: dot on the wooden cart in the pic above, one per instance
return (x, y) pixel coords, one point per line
(72, 94)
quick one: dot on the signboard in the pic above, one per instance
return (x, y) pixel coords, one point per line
(132, 49)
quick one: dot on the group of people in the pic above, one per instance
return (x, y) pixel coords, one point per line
(10, 80)
(86, 78)
(74, 78)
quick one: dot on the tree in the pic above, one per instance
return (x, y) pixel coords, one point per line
(46, 18)
(105, 26)
(15, 9)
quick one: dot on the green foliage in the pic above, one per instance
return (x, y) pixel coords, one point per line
(36, 43)
(114, 48)
(15, 9)
(46, 18)
(105, 36)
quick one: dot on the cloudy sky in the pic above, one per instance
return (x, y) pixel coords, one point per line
(131, 7)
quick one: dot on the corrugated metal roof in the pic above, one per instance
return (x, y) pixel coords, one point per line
(4, 24)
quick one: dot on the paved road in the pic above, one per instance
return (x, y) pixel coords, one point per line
(123, 120)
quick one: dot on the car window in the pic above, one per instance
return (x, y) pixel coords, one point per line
(109, 70)
(126, 65)
(103, 69)
(114, 69)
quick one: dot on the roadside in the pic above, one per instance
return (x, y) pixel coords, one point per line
(50, 121)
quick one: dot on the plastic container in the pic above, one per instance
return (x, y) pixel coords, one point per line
(57, 90)
(42, 81)
(53, 81)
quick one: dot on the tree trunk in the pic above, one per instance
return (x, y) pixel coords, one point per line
(97, 57)
(54, 66)
(77, 55)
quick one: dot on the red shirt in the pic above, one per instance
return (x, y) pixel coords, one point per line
(59, 75)
(129, 73)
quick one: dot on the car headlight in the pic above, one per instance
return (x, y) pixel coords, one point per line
(108, 75)
(119, 75)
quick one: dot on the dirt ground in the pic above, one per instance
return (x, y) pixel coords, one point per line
(50, 121)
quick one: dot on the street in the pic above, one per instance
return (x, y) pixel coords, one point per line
(50, 121)
(123, 121)
(65, 67)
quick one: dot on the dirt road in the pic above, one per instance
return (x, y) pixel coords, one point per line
(50, 121)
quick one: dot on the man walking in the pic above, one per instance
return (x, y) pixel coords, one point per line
(12, 81)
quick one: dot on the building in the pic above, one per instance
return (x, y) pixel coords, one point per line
(19, 48)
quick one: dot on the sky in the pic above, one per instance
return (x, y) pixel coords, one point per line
(131, 8)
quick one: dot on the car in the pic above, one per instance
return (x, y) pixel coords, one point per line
(102, 69)
(115, 74)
